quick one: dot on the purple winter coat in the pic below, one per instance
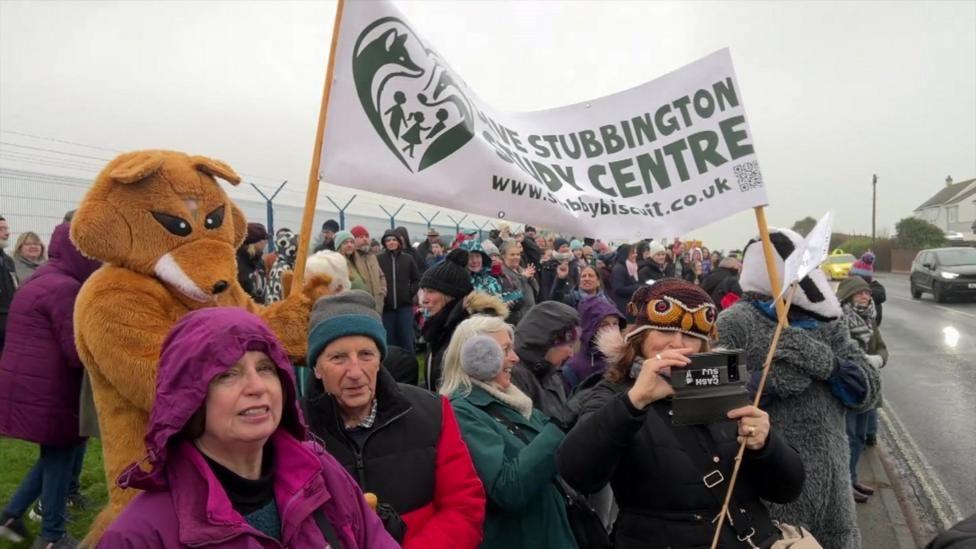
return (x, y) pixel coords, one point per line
(588, 360)
(184, 504)
(40, 372)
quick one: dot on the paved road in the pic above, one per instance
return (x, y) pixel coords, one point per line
(930, 398)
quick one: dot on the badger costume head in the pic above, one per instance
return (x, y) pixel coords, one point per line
(813, 296)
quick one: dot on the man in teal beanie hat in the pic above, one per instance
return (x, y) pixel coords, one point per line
(351, 313)
(415, 462)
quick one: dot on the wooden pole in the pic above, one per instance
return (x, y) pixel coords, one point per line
(312, 194)
(767, 365)
(770, 254)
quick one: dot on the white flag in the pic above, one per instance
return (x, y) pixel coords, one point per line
(808, 257)
(659, 159)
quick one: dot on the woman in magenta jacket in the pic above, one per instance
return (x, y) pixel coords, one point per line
(230, 463)
(40, 380)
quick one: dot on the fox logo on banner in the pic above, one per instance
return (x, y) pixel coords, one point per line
(659, 159)
(409, 96)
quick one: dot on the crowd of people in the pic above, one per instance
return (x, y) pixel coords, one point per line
(506, 392)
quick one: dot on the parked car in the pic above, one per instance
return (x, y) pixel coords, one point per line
(838, 264)
(954, 235)
(945, 272)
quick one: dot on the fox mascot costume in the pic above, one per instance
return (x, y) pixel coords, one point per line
(167, 235)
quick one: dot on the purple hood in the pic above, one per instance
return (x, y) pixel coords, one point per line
(203, 344)
(592, 312)
(66, 258)
(587, 361)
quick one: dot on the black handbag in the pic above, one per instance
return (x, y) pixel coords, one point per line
(583, 519)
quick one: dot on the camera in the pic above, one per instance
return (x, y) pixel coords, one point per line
(706, 389)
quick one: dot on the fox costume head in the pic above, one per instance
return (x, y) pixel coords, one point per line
(163, 214)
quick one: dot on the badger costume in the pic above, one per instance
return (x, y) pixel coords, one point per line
(818, 373)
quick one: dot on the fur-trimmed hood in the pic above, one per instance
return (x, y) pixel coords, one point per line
(480, 303)
(612, 345)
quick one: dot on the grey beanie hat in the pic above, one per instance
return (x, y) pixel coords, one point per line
(481, 357)
(352, 312)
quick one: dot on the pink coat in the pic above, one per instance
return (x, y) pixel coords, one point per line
(184, 504)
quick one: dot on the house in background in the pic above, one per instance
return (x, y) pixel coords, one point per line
(952, 209)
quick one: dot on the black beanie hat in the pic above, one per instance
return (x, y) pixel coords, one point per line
(331, 226)
(450, 277)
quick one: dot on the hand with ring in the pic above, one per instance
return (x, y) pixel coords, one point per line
(650, 385)
(753, 426)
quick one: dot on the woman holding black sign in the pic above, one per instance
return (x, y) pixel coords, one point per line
(669, 481)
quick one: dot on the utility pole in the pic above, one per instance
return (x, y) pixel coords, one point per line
(874, 205)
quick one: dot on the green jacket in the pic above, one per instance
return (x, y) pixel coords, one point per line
(525, 509)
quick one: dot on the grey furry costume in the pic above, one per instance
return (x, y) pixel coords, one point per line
(807, 414)
(815, 355)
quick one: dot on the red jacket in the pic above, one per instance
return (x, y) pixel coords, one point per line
(455, 516)
(413, 459)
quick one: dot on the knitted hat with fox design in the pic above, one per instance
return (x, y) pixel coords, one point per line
(673, 305)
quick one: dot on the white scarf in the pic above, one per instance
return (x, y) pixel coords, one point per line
(511, 396)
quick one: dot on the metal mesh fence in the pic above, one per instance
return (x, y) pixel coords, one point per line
(36, 201)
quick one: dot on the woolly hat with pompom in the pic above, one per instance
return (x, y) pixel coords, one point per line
(481, 357)
(449, 277)
(864, 267)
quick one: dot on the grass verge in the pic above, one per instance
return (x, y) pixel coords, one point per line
(17, 457)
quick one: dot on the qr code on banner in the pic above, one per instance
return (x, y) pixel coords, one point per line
(748, 175)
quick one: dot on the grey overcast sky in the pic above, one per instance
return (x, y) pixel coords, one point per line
(834, 91)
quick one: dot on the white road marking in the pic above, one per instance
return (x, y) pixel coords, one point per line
(945, 507)
(944, 308)
(971, 315)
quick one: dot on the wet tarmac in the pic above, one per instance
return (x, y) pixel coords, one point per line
(929, 387)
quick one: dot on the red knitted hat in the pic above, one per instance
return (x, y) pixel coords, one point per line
(359, 231)
(673, 305)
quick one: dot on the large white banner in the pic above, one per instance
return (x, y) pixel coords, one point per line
(656, 160)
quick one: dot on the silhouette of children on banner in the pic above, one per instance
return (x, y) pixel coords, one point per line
(440, 125)
(396, 113)
(412, 135)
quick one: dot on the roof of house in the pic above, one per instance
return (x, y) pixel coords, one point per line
(951, 194)
(965, 194)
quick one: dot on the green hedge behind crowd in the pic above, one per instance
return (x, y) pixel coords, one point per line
(17, 457)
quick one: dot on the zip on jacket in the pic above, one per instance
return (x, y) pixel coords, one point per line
(359, 451)
(393, 267)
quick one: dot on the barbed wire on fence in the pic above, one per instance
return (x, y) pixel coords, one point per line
(36, 201)
(44, 153)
